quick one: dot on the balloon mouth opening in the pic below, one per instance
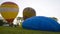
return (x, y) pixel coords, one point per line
(10, 20)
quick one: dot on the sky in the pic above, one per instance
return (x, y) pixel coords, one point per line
(49, 8)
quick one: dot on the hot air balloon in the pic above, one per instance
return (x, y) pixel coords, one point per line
(41, 23)
(28, 12)
(9, 11)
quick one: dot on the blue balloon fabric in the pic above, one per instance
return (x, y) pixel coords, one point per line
(41, 23)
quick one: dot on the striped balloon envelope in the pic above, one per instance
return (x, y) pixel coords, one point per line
(28, 12)
(9, 11)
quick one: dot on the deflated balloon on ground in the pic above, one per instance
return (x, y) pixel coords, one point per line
(41, 23)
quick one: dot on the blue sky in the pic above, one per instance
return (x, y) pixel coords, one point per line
(49, 8)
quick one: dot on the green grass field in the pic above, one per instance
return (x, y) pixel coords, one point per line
(19, 30)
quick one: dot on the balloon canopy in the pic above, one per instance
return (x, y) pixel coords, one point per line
(28, 12)
(9, 11)
(41, 23)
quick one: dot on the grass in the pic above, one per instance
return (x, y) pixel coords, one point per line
(19, 30)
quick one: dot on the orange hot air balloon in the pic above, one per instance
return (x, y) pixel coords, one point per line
(28, 12)
(9, 11)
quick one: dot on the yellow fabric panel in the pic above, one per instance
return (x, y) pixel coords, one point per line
(8, 15)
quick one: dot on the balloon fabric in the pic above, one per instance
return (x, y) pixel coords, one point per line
(9, 11)
(28, 12)
(41, 23)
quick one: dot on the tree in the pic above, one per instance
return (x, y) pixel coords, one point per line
(54, 18)
(1, 22)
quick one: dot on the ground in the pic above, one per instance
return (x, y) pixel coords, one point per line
(19, 30)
